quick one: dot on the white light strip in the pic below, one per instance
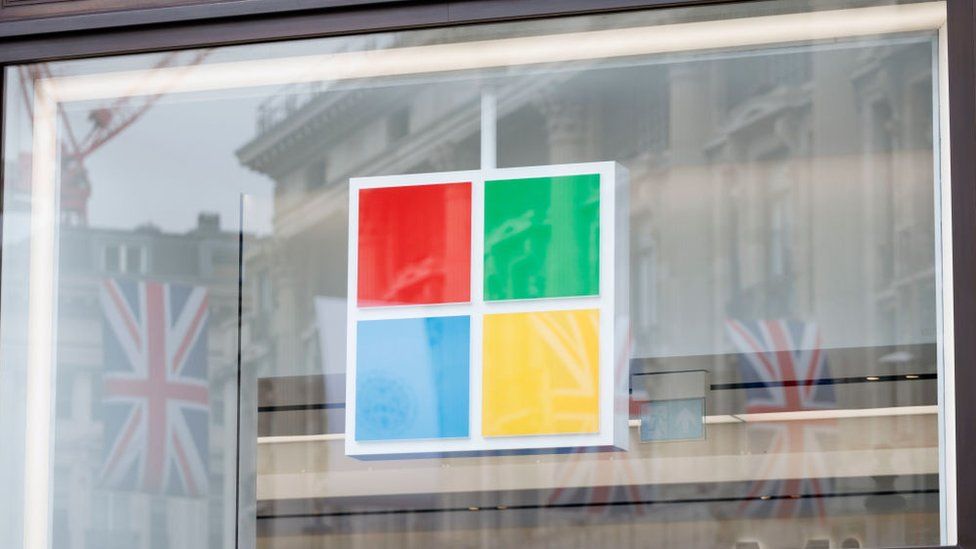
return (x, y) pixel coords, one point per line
(946, 321)
(508, 52)
(41, 323)
(714, 420)
(489, 130)
(804, 415)
(301, 438)
(816, 415)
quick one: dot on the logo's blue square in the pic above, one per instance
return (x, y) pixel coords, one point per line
(412, 378)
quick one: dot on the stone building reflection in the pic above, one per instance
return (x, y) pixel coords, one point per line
(87, 510)
(783, 185)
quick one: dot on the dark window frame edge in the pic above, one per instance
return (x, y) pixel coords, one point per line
(200, 11)
(74, 40)
(961, 71)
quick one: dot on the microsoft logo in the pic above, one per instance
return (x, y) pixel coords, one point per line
(487, 310)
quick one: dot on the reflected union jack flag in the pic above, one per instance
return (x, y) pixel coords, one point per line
(596, 484)
(783, 364)
(155, 392)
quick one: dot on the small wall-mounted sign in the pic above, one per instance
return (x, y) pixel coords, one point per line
(680, 419)
(672, 405)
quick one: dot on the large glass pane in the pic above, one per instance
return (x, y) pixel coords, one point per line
(142, 289)
(429, 228)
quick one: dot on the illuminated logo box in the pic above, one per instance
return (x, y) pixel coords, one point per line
(488, 311)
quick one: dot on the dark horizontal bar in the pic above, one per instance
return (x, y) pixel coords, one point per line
(302, 407)
(823, 381)
(714, 387)
(595, 504)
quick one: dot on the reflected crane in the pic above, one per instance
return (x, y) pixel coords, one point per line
(106, 122)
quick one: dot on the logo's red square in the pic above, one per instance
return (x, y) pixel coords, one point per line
(415, 245)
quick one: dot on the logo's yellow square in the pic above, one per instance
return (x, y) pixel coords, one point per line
(541, 373)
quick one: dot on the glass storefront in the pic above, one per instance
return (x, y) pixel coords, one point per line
(666, 278)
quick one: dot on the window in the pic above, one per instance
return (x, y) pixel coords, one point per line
(124, 259)
(113, 259)
(315, 175)
(398, 125)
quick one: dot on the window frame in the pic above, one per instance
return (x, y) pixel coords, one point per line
(214, 23)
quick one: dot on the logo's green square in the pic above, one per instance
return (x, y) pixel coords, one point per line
(542, 237)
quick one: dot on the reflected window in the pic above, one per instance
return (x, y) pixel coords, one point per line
(124, 259)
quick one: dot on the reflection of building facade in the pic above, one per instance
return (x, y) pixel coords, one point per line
(85, 513)
(771, 244)
(754, 196)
